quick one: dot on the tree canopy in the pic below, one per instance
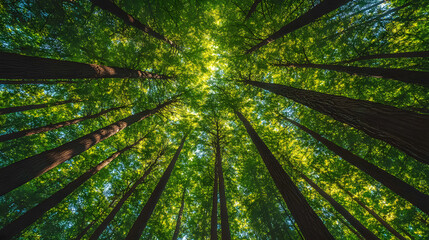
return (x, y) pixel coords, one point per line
(226, 119)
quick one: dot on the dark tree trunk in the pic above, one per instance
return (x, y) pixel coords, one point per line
(226, 233)
(213, 229)
(50, 127)
(141, 222)
(35, 213)
(20, 82)
(34, 106)
(252, 9)
(15, 66)
(374, 214)
(398, 186)
(96, 234)
(179, 216)
(350, 227)
(406, 76)
(309, 223)
(23, 171)
(389, 55)
(312, 15)
(367, 234)
(405, 130)
(111, 7)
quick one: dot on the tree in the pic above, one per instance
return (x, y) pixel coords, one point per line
(213, 228)
(312, 15)
(16, 66)
(365, 116)
(140, 224)
(23, 171)
(398, 186)
(50, 127)
(34, 106)
(308, 222)
(179, 216)
(421, 54)
(96, 234)
(407, 76)
(252, 9)
(108, 5)
(35, 213)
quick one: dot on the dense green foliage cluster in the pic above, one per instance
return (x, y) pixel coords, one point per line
(208, 67)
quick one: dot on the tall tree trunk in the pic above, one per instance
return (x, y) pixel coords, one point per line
(226, 233)
(406, 76)
(252, 9)
(367, 234)
(15, 66)
(110, 6)
(312, 15)
(53, 126)
(179, 216)
(350, 228)
(373, 213)
(309, 223)
(141, 222)
(398, 186)
(20, 82)
(405, 130)
(213, 229)
(96, 234)
(35, 213)
(20, 172)
(389, 55)
(34, 106)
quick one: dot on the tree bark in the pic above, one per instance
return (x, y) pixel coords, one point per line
(367, 234)
(398, 186)
(96, 234)
(406, 76)
(51, 127)
(15, 66)
(373, 213)
(111, 7)
(312, 15)
(35, 213)
(34, 106)
(20, 82)
(20, 172)
(309, 223)
(226, 233)
(141, 222)
(179, 216)
(213, 229)
(252, 9)
(405, 130)
(389, 55)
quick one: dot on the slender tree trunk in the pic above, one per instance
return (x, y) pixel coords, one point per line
(373, 213)
(20, 172)
(389, 55)
(35, 213)
(367, 234)
(350, 227)
(252, 9)
(312, 15)
(34, 106)
(406, 76)
(20, 82)
(298, 232)
(398, 186)
(213, 229)
(111, 7)
(96, 234)
(179, 216)
(85, 230)
(226, 233)
(141, 222)
(53, 126)
(309, 223)
(405, 130)
(15, 66)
